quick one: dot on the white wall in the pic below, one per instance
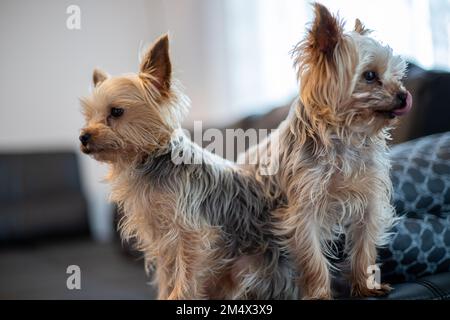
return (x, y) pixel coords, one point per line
(199, 50)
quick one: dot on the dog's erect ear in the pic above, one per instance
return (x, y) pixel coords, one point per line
(360, 28)
(326, 30)
(156, 62)
(99, 76)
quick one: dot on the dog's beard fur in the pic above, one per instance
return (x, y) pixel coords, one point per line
(334, 169)
(206, 228)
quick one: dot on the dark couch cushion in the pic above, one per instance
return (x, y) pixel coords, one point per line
(25, 175)
(421, 175)
(433, 287)
(431, 107)
(421, 179)
(40, 195)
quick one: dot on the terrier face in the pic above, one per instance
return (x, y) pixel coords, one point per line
(130, 114)
(349, 79)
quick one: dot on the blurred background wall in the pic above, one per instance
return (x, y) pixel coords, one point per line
(46, 67)
(231, 56)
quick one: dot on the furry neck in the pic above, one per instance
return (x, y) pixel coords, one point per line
(325, 137)
(132, 167)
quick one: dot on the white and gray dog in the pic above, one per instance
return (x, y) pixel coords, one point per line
(334, 169)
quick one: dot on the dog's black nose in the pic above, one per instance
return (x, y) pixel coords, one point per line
(84, 138)
(402, 96)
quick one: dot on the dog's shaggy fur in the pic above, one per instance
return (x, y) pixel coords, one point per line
(206, 227)
(334, 169)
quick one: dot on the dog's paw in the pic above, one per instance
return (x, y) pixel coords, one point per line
(364, 291)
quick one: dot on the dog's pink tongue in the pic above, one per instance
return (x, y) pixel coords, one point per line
(406, 108)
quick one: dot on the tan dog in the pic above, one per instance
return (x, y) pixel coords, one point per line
(334, 169)
(205, 226)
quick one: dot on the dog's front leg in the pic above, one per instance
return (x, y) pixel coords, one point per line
(315, 282)
(164, 277)
(183, 278)
(362, 238)
(190, 266)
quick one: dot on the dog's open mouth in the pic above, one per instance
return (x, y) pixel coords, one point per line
(397, 111)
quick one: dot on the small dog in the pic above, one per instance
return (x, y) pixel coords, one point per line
(205, 227)
(334, 168)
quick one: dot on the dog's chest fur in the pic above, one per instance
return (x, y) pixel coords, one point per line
(148, 214)
(351, 167)
(351, 178)
(335, 184)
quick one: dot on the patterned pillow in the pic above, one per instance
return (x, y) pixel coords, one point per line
(421, 179)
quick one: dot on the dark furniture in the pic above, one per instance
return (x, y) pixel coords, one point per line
(40, 196)
(44, 229)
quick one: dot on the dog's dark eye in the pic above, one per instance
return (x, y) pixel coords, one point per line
(370, 76)
(116, 112)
